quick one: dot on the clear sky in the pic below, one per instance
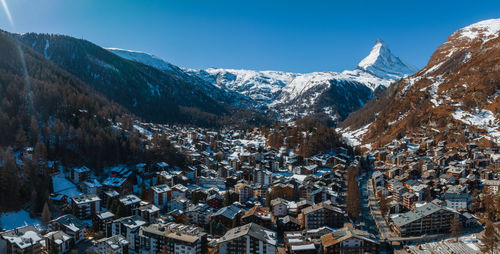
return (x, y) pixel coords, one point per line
(299, 36)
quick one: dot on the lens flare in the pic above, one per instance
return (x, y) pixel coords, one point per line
(29, 91)
(7, 12)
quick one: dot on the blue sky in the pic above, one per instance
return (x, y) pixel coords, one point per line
(299, 36)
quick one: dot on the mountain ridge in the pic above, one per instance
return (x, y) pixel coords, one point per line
(296, 94)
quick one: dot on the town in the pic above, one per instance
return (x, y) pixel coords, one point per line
(237, 194)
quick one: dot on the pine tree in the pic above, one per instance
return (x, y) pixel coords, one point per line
(384, 205)
(46, 215)
(490, 238)
(353, 195)
(227, 198)
(456, 227)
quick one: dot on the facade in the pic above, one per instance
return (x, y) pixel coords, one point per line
(116, 244)
(280, 207)
(58, 242)
(244, 191)
(70, 225)
(322, 214)
(349, 240)
(21, 240)
(250, 238)
(430, 218)
(84, 206)
(172, 238)
(128, 227)
(161, 195)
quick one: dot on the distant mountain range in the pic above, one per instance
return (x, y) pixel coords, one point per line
(293, 95)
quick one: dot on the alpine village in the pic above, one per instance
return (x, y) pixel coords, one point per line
(106, 150)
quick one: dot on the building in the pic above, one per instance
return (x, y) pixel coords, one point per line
(70, 225)
(173, 238)
(430, 218)
(58, 242)
(161, 195)
(147, 211)
(288, 223)
(322, 214)
(228, 216)
(130, 202)
(257, 215)
(84, 206)
(349, 240)
(492, 186)
(79, 175)
(215, 201)
(128, 227)
(250, 238)
(280, 207)
(457, 201)
(244, 191)
(21, 240)
(116, 244)
(100, 220)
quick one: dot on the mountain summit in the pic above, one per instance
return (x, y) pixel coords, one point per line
(383, 64)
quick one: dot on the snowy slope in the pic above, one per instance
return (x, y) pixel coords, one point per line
(145, 58)
(222, 95)
(261, 86)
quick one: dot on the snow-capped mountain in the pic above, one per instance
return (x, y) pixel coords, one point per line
(294, 94)
(383, 64)
(453, 98)
(261, 86)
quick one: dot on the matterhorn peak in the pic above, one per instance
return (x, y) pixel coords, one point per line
(383, 64)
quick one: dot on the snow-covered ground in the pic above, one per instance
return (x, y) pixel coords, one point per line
(20, 218)
(482, 119)
(354, 137)
(64, 186)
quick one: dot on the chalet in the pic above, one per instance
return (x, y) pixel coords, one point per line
(25, 239)
(257, 215)
(349, 240)
(228, 215)
(58, 242)
(288, 223)
(70, 225)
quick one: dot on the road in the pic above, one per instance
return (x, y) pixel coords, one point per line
(385, 231)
